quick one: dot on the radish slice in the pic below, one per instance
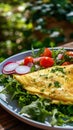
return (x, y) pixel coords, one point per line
(10, 67)
(22, 69)
(8, 63)
(60, 56)
(10, 72)
(37, 59)
(30, 64)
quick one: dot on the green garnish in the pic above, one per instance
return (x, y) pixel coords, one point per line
(57, 84)
(58, 69)
(42, 90)
(44, 75)
(36, 107)
(50, 84)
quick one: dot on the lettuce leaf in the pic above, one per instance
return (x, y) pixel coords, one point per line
(37, 108)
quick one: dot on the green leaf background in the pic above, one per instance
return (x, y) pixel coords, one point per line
(39, 23)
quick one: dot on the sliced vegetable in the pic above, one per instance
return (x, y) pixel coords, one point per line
(10, 67)
(46, 62)
(28, 59)
(66, 63)
(9, 72)
(60, 56)
(47, 52)
(69, 53)
(30, 64)
(37, 59)
(22, 69)
(8, 63)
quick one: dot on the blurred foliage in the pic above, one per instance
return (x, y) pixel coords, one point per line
(37, 23)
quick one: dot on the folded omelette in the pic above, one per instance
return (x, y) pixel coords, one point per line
(55, 83)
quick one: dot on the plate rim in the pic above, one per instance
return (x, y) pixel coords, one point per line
(25, 119)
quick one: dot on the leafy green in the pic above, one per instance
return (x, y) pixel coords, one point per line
(55, 54)
(68, 58)
(38, 109)
(38, 53)
(16, 91)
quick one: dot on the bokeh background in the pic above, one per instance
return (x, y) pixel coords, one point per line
(37, 23)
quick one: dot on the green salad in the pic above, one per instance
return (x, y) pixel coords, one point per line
(38, 108)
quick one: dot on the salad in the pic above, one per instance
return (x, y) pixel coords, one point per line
(37, 108)
(43, 59)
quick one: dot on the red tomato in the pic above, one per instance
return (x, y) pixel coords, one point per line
(66, 63)
(28, 59)
(69, 53)
(47, 52)
(46, 62)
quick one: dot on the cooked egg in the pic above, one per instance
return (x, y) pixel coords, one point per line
(55, 83)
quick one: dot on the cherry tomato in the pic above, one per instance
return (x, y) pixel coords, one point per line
(28, 59)
(66, 63)
(47, 52)
(46, 62)
(69, 53)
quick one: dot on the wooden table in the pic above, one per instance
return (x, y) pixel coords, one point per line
(8, 122)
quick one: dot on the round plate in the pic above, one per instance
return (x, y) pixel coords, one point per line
(12, 107)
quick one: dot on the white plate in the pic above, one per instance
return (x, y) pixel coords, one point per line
(12, 107)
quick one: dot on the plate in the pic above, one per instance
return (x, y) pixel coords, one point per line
(12, 107)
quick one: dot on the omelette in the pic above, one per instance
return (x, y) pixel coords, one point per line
(55, 83)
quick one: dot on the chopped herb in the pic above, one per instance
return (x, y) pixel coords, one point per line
(68, 58)
(45, 76)
(42, 90)
(58, 69)
(55, 54)
(50, 84)
(34, 80)
(33, 68)
(63, 75)
(39, 108)
(69, 72)
(57, 84)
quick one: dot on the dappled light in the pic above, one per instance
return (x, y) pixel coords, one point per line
(38, 23)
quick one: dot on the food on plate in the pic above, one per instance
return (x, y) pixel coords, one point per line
(47, 52)
(69, 53)
(43, 59)
(42, 84)
(28, 60)
(55, 83)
